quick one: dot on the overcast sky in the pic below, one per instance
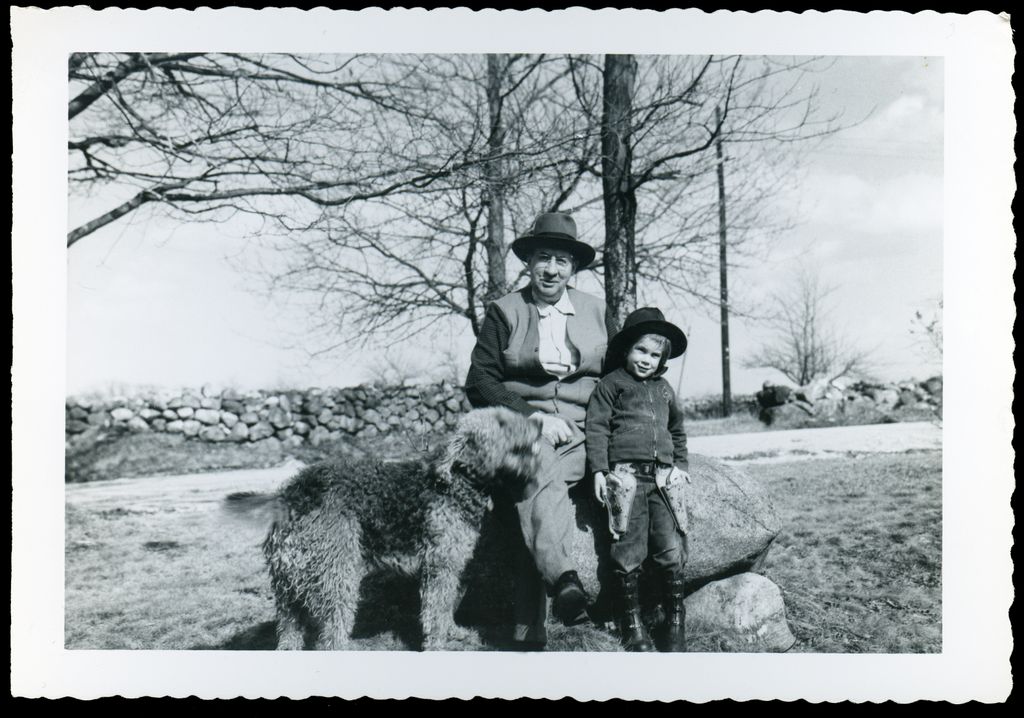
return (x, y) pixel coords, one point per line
(156, 304)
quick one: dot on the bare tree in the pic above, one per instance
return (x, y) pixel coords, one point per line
(805, 344)
(659, 126)
(390, 183)
(394, 265)
(927, 327)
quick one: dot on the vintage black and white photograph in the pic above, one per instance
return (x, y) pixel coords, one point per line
(413, 352)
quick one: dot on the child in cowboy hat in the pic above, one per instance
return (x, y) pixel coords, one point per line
(636, 449)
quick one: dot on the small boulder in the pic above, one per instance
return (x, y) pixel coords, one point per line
(907, 398)
(233, 406)
(213, 433)
(74, 426)
(228, 419)
(743, 613)
(210, 417)
(794, 415)
(122, 414)
(279, 418)
(191, 427)
(319, 435)
(260, 430)
(138, 424)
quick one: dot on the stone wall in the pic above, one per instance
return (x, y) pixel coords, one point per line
(316, 415)
(293, 417)
(841, 402)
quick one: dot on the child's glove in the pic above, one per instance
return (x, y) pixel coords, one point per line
(674, 476)
(600, 487)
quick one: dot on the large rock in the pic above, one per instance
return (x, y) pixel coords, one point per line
(743, 613)
(732, 526)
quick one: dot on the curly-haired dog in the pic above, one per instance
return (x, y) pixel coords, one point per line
(337, 521)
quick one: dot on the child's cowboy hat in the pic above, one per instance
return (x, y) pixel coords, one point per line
(554, 230)
(648, 320)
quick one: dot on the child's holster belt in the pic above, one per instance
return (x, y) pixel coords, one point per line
(621, 489)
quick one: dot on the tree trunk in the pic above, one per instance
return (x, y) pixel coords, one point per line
(619, 192)
(495, 181)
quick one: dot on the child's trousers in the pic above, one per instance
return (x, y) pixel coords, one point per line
(651, 532)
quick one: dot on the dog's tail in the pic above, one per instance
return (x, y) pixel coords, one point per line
(256, 508)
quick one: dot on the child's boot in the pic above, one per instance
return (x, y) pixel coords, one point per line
(631, 627)
(675, 615)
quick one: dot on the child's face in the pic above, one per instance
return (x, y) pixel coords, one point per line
(644, 358)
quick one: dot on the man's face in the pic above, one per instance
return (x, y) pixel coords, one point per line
(550, 270)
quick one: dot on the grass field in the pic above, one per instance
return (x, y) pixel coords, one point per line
(155, 565)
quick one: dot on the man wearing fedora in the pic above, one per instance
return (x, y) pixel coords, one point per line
(540, 352)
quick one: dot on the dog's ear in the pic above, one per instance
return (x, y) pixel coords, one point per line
(450, 460)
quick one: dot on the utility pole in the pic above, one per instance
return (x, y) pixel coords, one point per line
(726, 383)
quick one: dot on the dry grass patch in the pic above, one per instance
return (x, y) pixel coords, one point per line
(155, 564)
(859, 559)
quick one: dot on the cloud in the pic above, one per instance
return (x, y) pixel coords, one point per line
(846, 203)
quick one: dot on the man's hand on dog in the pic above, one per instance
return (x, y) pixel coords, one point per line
(553, 428)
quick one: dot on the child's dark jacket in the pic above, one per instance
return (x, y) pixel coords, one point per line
(634, 420)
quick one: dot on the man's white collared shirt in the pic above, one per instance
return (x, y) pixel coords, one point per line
(556, 353)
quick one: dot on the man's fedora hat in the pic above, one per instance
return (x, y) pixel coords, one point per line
(554, 230)
(648, 320)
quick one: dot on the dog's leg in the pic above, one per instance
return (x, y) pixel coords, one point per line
(343, 577)
(448, 545)
(290, 635)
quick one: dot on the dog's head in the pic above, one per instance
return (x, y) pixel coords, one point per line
(492, 449)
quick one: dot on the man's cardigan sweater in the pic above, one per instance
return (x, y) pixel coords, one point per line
(505, 369)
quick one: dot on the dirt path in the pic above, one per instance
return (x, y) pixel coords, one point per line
(205, 491)
(820, 443)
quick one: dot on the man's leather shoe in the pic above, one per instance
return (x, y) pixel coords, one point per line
(571, 599)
